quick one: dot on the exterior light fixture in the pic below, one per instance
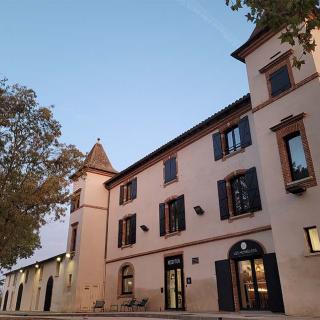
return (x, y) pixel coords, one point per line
(68, 255)
(37, 266)
(59, 259)
(144, 228)
(21, 270)
(199, 211)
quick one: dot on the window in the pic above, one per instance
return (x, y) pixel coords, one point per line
(170, 169)
(73, 242)
(313, 239)
(279, 81)
(128, 191)
(69, 280)
(296, 157)
(172, 216)
(75, 201)
(127, 231)
(239, 193)
(240, 197)
(127, 280)
(233, 140)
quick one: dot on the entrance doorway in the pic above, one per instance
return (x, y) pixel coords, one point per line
(174, 284)
(252, 285)
(48, 297)
(19, 297)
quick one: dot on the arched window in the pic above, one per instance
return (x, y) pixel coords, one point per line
(127, 279)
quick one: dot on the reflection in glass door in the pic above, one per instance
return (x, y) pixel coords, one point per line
(252, 285)
(174, 283)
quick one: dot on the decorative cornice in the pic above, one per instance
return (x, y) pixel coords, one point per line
(93, 207)
(193, 243)
(288, 121)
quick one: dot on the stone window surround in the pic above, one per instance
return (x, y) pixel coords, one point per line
(286, 127)
(120, 294)
(228, 179)
(283, 60)
(173, 155)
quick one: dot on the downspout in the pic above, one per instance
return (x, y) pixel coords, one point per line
(106, 245)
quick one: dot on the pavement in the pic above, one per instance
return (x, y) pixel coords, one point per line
(149, 315)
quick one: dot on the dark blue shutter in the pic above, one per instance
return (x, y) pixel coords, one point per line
(121, 195)
(217, 146)
(134, 188)
(167, 171)
(120, 234)
(133, 227)
(273, 283)
(162, 219)
(224, 285)
(173, 168)
(253, 189)
(181, 213)
(244, 130)
(223, 199)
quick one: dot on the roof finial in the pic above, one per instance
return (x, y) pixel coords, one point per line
(98, 140)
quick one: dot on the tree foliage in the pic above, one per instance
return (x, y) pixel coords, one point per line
(34, 171)
(297, 19)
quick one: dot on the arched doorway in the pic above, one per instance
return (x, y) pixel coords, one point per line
(19, 297)
(249, 279)
(4, 307)
(48, 297)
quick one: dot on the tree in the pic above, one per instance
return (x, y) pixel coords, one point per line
(297, 19)
(34, 171)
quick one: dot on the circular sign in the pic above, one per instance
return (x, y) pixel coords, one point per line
(243, 246)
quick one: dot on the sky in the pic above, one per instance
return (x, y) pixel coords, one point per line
(135, 73)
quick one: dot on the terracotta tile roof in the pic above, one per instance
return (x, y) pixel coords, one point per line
(245, 100)
(97, 159)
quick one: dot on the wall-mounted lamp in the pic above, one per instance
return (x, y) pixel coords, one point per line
(21, 270)
(68, 255)
(144, 228)
(59, 259)
(199, 211)
(37, 266)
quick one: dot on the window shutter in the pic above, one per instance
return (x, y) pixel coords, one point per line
(273, 282)
(173, 168)
(224, 285)
(253, 189)
(223, 200)
(121, 195)
(181, 213)
(133, 223)
(162, 219)
(120, 234)
(244, 130)
(134, 188)
(167, 171)
(217, 146)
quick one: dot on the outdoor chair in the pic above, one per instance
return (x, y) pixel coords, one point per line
(142, 304)
(129, 304)
(99, 304)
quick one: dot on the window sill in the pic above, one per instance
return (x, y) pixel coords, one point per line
(172, 234)
(170, 182)
(126, 246)
(300, 181)
(125, 295)
(126, 202)
(240, 216)
(312, 254)
(229, 155)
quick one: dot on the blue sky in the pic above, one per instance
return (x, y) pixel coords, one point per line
(135, 73)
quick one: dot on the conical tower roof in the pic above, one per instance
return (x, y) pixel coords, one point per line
(97, 159)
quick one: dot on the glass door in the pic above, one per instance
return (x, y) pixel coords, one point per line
(174, 283)
(253, 292)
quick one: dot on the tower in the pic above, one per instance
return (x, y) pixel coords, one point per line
(84, 271)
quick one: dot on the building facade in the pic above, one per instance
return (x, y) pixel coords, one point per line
(224, 217)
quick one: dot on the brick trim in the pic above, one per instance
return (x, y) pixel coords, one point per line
(276, 62)
(291, 125)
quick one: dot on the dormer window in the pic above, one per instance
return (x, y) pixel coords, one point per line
(279, 81)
